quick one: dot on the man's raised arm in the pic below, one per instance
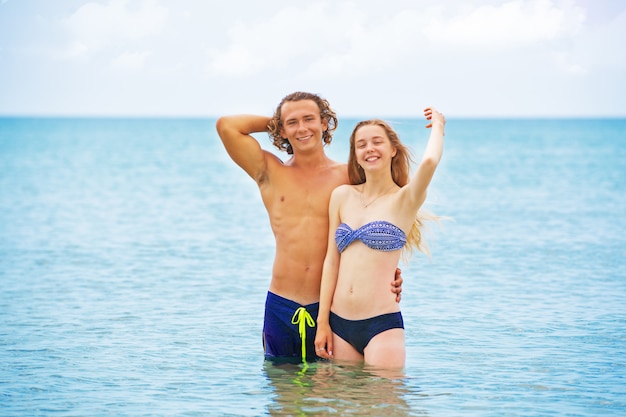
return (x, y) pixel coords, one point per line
(245, 150)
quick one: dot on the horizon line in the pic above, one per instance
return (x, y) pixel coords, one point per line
(349, 116)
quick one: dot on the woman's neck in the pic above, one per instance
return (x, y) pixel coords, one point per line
(375, 184)
(375, 188)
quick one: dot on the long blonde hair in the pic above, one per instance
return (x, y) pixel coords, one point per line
(400, 167)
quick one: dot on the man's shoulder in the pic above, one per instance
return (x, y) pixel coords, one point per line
(271, 157)
(339, 165)
(339, 172)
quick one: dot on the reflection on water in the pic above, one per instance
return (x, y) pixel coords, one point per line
(329, 389)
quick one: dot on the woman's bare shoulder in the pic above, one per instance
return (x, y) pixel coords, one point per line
(343, 190)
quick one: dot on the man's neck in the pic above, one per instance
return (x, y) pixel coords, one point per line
(312, 160)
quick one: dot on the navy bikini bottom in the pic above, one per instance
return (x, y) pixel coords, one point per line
(359, 332)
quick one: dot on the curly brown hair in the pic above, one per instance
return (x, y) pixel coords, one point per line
(276, 123)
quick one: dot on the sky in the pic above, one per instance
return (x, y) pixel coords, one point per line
(369, 58)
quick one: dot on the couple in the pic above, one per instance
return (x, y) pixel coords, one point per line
(335, 256)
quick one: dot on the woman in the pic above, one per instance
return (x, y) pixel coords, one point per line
(372, 222)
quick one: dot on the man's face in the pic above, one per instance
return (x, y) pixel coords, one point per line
(302, 124)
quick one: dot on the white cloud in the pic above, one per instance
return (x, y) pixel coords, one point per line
(75, 49)
(605, 46)
(467, 56)
(94, 26)
(373, 45)
(565, 62)
(130, 61)
(597, 48)
(319, 41)
(292, 37)
(515, 23)
(238, 61)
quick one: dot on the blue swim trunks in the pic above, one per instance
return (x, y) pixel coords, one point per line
(289, 330)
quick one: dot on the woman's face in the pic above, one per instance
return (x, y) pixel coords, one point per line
(373, 148)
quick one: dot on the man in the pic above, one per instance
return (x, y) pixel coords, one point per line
(296, 194)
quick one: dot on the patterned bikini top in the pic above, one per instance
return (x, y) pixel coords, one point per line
(379, 235)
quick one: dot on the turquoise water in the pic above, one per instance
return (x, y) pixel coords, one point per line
(135, 258)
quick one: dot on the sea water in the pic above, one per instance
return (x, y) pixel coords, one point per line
(135, 257)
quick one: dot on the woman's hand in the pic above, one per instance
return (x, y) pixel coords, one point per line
(324, 341)
(434, 116)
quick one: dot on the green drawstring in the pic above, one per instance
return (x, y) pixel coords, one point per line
(302, 318)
